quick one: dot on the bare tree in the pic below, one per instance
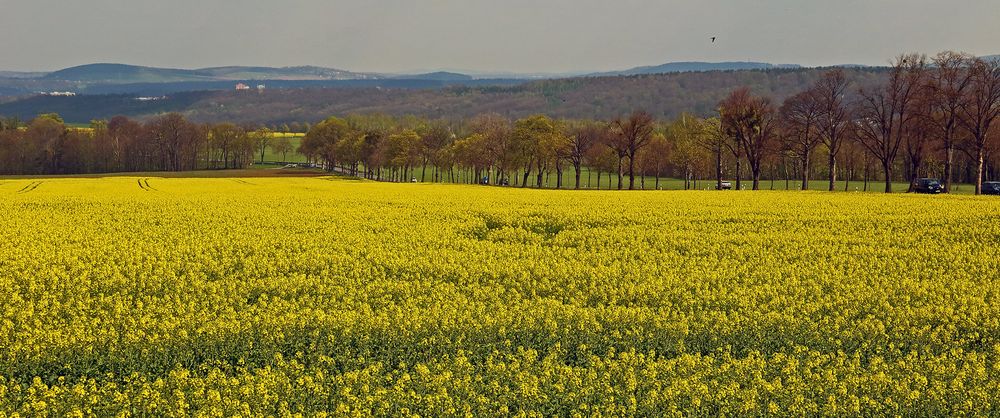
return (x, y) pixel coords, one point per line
(582, 137)
(830, 92)
(536, 138)
(435, 136)
(917, 135)
(800, 116)
(713, 139)
(619, 148)
(948, 81)
(504, 152)
(683, 148)
(752, 121)
(261, 138)
(981, 109)
(281, 145)
(125, 135)
(886, 110)
(633, 134)
(176, 140)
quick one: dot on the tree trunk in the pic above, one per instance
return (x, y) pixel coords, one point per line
(867, 175)
(577, 168)
(805, 172)
(980, 158)
(785, 171)
(914, 168)
(833, 170)
(620, 174)
(718, 169)
(887, 169)
(739, 182)
(948, 167)
(631, 171)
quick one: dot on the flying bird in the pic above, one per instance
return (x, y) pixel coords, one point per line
(713, 39)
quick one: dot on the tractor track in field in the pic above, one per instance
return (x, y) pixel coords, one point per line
(144, 185)
(243, 182)
(30, 187)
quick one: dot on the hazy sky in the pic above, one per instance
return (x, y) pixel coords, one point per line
(511, 35)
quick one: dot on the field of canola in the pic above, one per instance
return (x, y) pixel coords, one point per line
(279, 297)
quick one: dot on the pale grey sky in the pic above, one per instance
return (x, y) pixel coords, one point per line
(510, 35)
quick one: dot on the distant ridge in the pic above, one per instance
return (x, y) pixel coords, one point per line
(21, 74)
(113, 78)
(285, 73)
(696, 66)
(122, 73)
(129, 74)
(438, 76)
(112, 73)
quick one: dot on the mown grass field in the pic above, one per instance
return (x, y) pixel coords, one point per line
(292, 156)
(276, 296)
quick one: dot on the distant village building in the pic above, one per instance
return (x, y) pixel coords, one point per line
(60, 93)
(241, 86)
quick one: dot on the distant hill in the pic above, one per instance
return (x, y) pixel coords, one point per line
(285, 73)
(121, 73)
(437, 76)
(664, 95)
(20, 74)
(684, 67)
(109, 78)
(130, 74)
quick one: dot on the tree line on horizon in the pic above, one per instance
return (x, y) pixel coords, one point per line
(46, 145)
(929, 117)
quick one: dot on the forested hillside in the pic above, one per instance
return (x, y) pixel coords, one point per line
(663, 95)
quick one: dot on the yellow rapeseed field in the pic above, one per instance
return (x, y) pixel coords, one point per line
(275, 297)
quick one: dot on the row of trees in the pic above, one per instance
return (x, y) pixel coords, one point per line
(918, 120)
(928, 109)
(166, 143)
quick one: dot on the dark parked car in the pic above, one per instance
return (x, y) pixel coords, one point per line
(724, 186)
(932, 186)
(991, 187)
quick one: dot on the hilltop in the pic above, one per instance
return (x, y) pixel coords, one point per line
(683, 67)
